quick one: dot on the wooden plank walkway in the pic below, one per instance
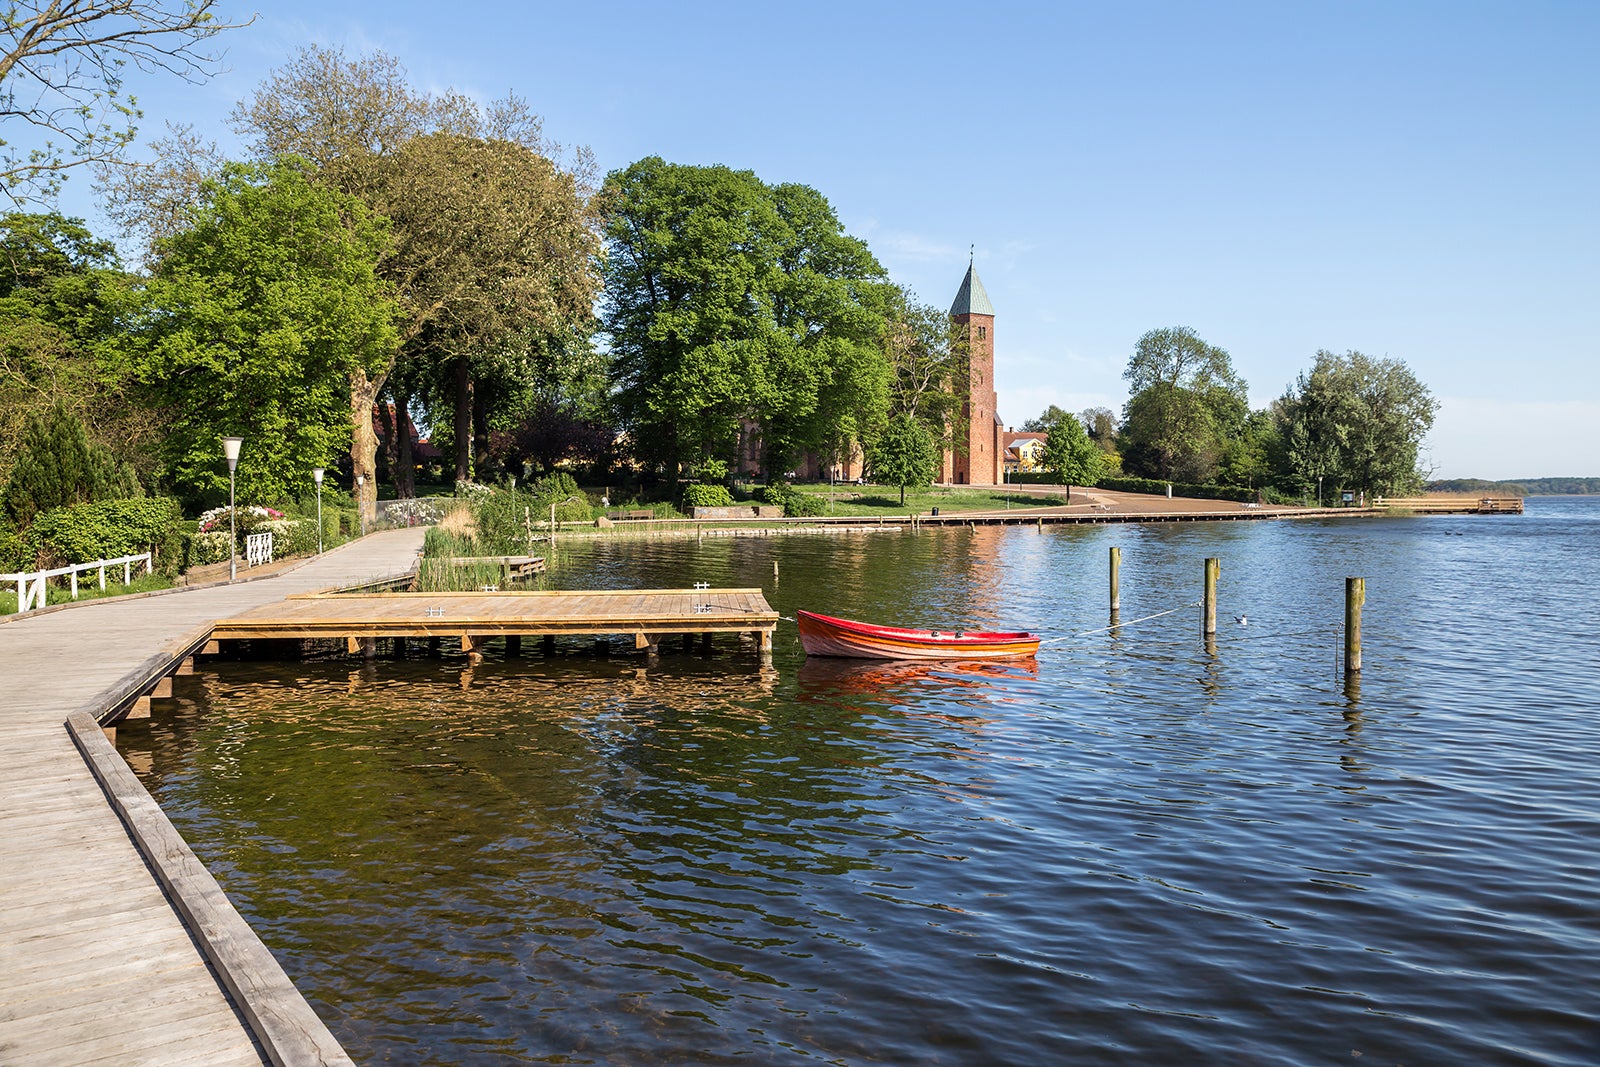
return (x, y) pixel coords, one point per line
(96, 967)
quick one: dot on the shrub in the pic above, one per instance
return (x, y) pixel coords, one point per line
(803, 505)
(696, 495)
(775, 493)
(105, 529)
(210, 546)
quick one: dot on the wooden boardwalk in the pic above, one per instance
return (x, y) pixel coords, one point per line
(96, 966)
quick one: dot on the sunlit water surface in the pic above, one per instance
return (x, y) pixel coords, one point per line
(1134, 851)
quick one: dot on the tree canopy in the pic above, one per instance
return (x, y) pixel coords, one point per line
(1358, 420)
(1185, 402)
(903, 453)
(259, 314)
(1069, 452)
(730, 301)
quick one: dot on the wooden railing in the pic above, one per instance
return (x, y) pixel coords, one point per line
(32, 585)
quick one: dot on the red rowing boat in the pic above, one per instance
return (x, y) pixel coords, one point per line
(823, 635)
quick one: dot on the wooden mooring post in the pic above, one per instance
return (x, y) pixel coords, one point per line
(1116, 589)
(1355, 595)
(1213, 569)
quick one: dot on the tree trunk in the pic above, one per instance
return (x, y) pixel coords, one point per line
(387, 444)
(463, 420)
(364, 441)
(480, 430)
(405, 466)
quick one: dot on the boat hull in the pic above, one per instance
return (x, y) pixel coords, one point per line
(823, 635)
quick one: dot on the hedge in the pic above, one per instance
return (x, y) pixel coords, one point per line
(104, 529)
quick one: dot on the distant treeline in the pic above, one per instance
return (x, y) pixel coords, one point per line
(1522, 487)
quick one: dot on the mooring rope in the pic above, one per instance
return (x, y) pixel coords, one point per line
(1121, 625)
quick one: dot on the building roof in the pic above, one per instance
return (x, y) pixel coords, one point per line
(971, 299)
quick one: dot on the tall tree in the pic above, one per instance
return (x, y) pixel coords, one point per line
(1045, 421)
(903, 453)
(62, 292)
(1185, 400)
(57, 466)
(1069, 452)
(728, 300)
(491, 235)
(1360, 420)
(260, 313)
(61, 79)
(929, 362)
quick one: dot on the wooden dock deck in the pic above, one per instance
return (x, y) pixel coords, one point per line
(116, 946)
(645, 615)
(96, 964)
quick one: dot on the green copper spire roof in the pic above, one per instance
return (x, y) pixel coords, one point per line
(971, 299)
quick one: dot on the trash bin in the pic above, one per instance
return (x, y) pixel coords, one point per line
(936, 511)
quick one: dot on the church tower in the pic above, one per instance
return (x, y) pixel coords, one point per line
(983, 434)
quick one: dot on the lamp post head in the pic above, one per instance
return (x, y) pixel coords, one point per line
(316, 475)
(361, 479)
(230, 448)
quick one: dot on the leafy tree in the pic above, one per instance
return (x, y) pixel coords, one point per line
(1185, 401)
(730, 301)
(1069, 452)
(61, 77)
(62, 293)
(903, 453)
(929, 360)
(1100, 423)
(1045, 421)
(1358, 419)
(490, 235)
(58, 466)
(1247, 457)
(260, 313)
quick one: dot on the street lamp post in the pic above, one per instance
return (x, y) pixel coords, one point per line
(1319, 490)
(361, 505)
(230, 448)
(316, 476)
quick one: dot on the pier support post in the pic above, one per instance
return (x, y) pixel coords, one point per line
(1213, 569)
(1116, 588)
(1355, 595)
(513, 645)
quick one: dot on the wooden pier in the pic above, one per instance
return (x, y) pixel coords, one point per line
(116, 945)
(644, 615)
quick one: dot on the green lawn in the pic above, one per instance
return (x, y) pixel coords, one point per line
(885, 499)
(88, 589)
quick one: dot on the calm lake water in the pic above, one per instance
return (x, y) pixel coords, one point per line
(1134, 851)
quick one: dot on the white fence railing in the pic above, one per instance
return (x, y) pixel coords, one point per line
(258, 549)
(32, 585)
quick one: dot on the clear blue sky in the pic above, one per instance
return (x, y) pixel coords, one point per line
(1413, 180)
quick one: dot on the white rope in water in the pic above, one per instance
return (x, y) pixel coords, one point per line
(1120, 625)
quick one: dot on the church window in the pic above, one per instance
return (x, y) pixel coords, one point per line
(983, 332)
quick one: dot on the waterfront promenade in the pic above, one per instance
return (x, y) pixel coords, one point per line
(96, 966)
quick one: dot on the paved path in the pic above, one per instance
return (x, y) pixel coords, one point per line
(95, 965)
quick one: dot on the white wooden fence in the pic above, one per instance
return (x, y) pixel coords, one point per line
(258, 549)
(32, 585)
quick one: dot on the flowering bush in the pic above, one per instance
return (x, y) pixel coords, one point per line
(208, 547)
(473, 490)
(250, 518)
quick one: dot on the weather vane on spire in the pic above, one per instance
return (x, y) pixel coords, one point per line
(972, 253)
